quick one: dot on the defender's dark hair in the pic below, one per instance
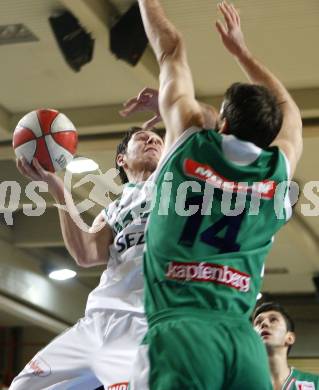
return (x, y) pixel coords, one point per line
(274, 306)
(121, 149)
(253, 113)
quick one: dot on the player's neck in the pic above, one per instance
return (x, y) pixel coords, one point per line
(279, 368)
(138, 176)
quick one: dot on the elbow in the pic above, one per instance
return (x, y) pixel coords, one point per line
(298, 119)
(90, 261)
(299, 149)
(173, 47)
(299, 140)
(81, 261)
(177, 41)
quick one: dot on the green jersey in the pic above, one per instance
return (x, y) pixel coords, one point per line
(218, 203)
(298, 380)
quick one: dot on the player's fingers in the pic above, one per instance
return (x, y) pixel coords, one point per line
(28, 170)
(230, 9)
(38, 168)
(152, 122)
(20, 167)
(236, 14)
(145, 89)
(148, 92)
(146, 96)
(232, 12)
(134, 107)
(123, 113)
(130, 101)
(226, 14)
(18, 163)
(221, 28)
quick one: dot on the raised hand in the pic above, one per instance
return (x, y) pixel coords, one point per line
(230, 31)
(34, 171)
(146, 100)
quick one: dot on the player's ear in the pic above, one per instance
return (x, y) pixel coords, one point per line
(224, 126)
(290, 338)
(120, 159)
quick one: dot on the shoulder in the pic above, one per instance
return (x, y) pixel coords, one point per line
(282, 159)
(109, 211)
(291, 153)
(194, 134)
(106, 215)
(306, 376)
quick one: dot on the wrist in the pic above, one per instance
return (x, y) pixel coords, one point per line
(58, 194)
(243, 54)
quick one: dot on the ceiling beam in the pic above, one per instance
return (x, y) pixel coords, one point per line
(90, 143)
(22, 280)
(31, 316)
(95, 119)
(307, 100)
(37, 232)
(43, 231)
(94, 15)
(5, 123)
(95, 135)
(106, 121)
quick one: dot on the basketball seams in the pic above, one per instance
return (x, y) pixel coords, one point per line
(50, 136)
(22, 136)
(66, 154)
(46, 118)
(30, 121)
(62, 131)
(59, 142)
(24, 150)
(27, 128)
(51, 167)
(38, 118)
(46, 121)
(69, 126)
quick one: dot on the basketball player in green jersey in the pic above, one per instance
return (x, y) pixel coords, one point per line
(219, 202)
(277, 330)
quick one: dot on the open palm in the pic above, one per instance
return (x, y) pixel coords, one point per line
(230, 31)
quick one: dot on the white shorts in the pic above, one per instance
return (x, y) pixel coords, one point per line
(98, 349)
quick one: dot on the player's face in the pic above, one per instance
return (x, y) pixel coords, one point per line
(144, 149)
(272, 328)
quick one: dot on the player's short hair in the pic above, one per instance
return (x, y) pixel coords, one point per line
(274, 306)
(121, 149)
(253, 113)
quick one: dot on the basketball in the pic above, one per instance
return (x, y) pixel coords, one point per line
(47, 135)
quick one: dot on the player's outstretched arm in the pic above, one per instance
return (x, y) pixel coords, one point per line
(289, 138)
(87, 248)
(177, 104)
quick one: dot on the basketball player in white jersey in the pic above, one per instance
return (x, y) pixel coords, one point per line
(100, 347)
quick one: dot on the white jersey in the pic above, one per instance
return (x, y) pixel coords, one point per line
(100, 348)
(121, 284)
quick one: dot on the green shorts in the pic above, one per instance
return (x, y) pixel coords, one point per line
(202, 350)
